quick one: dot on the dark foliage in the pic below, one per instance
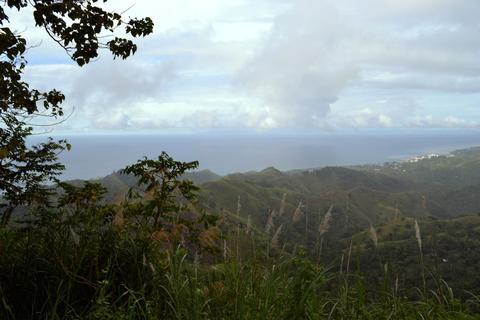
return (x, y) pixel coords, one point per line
(75, 26)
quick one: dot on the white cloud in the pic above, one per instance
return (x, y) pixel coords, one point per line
(303, 65)
(113, 84)
(115, 121)
(267, 64)
(320, 49)
(430, 121)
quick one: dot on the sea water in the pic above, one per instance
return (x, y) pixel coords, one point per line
(227, 152)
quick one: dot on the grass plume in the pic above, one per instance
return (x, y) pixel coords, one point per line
(418, 236)
(275, 238)
(269, 225)
(324, 226)
(298, 213)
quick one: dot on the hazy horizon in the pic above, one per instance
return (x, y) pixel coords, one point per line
(94, 156)
(292, 84)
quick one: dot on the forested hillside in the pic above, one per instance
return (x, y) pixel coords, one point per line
(386, 198)
(362, 195)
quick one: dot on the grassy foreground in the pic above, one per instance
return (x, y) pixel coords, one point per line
(106, 273)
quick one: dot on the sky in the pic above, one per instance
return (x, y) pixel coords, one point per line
(269, 65)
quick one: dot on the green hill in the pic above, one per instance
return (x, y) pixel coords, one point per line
(435, 187)
(455, 170)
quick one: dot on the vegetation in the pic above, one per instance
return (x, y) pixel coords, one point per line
(84, 258)
(156, 254)
(76, 26)
(88, 260)
(335, 243)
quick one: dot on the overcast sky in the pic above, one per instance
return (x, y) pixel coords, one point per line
(276, 65)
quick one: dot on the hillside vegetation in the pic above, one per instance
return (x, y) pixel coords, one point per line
(367, 242)
(432, 190)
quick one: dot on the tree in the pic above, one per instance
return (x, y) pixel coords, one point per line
(77, 26)
(166, 208)
(161, 180)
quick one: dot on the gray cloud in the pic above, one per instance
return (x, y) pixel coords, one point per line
(107, 94)
(323, 65)
(389, 112)
(112, 121)
(303, 65)
(415, 81)
(319, 49)
(442, 122)
(113, 84)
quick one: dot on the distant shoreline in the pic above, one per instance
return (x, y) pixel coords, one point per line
(98, 156)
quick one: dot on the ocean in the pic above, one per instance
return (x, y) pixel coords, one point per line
(95, 156)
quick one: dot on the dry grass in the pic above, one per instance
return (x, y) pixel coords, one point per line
(275, 238)
(326, 222)
(269, 225)
(418, 235)
(298, 214)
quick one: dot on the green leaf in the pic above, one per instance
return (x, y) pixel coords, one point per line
(3, 153)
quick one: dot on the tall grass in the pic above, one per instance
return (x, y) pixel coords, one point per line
(110, 262)
(111, 275)
(418, 237)
(323, 228)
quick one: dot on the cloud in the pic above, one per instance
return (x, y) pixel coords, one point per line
(106, 94)
(303, 65)
(113, 83)
(393, 112)
(430, 121)
(321, 50)
(310, 64)
(115, 121)
(388, 112)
